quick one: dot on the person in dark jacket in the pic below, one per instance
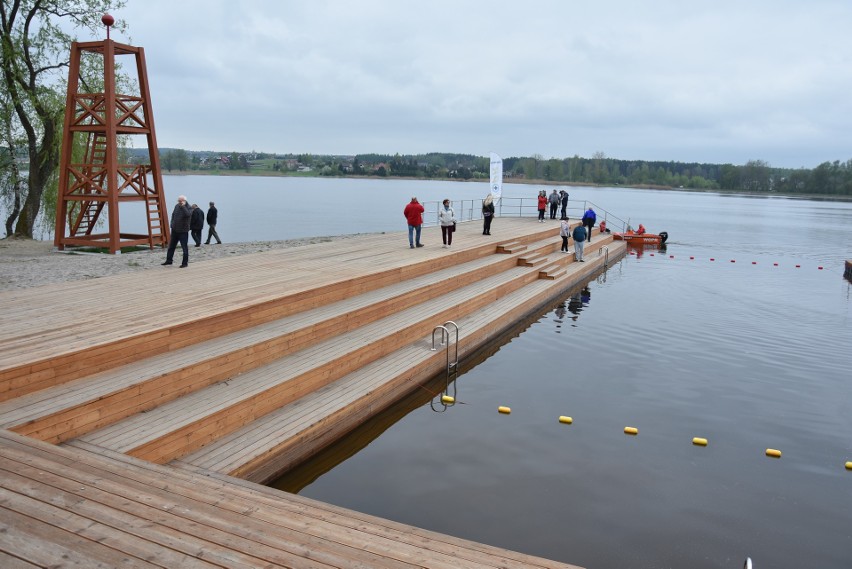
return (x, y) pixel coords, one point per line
(487, 214)
(579, 237)
(589, 222)
(564, 204)
(181, 216)
(196, 224)
(212, 218)
(553, 200)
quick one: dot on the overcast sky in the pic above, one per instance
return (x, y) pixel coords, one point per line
(721, 81)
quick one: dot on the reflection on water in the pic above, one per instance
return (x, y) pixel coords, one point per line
(750, 355)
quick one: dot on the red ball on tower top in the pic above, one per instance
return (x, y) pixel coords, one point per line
(107, 20)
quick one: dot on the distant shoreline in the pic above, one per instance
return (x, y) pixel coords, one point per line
(511, 181)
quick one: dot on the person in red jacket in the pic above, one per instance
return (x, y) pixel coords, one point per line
(542, 205)
(414, 216)
(641, 230)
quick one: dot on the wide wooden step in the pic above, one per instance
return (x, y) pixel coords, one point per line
(183, 425)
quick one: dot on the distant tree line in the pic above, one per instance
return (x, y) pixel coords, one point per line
(829, 178)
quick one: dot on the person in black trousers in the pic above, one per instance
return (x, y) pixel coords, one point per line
(212, 218)
(196, 224)
(487, 214)
(180, 231)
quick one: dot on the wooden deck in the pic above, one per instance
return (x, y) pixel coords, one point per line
(242, 368)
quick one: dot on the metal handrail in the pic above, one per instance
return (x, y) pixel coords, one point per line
(471, 210)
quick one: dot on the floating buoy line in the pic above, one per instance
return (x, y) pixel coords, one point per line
(713, 259)
(634, 431)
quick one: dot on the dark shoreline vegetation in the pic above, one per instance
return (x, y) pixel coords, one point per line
(829, 179)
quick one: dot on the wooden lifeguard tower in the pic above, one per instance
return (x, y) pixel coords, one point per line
(91, 180)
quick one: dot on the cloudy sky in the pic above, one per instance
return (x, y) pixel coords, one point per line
(721, 81)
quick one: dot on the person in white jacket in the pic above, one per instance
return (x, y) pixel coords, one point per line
(565, 233)
(447, 219)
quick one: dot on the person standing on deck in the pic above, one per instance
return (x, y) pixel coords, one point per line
(487, 214)
(447, 219)
(579, 236)
(565, 233)
(212, 218)
(542, 205)
(589, 222)
(180, 231)
(196, 224)
(553, 200)
(413, 213)
(564, 204)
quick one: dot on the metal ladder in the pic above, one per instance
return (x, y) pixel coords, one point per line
(452, 368)
(605, 252)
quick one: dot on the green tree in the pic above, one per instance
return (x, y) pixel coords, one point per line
(34, 55)
(756, 176)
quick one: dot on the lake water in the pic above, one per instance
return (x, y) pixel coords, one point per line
(749, 356)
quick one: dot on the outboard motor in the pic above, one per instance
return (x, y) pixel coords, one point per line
(664, 236)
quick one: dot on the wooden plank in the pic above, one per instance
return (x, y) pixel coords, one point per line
(44, 545)
(7, 561)
(233, 521)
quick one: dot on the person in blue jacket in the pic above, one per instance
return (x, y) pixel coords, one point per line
(589, 222)
(579, 237)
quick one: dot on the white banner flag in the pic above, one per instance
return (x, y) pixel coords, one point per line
(496, 176)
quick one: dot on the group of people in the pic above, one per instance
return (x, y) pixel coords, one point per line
(580, 234)
(413, 213)
(189, 219)
(554, 200)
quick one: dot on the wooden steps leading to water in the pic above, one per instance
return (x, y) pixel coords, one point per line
(265, 448)
(75, 408)
(182, 425)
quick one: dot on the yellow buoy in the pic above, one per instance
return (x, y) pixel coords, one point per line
(699, 441)
(504, 410)
(448, 399)
(849, 465)
(631, 431)
(566, 420)
(774, 453)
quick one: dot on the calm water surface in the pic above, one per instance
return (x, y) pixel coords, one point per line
(749, 356)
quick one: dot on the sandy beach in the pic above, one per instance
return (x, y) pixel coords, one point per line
(27, 263)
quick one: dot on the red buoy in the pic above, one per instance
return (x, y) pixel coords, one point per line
(692, 258)
(712, 259)
(798, 266)
(733, 261)
(754, 262)
(775, 264)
